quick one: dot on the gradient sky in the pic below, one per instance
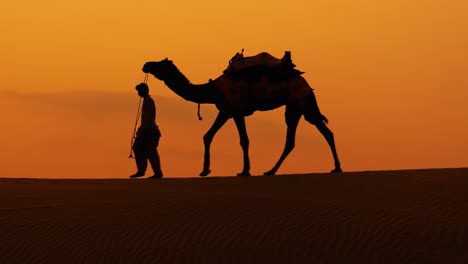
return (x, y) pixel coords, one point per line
(391, 76)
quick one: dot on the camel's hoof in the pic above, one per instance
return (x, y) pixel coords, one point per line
(204, 173)
(269, 173)
(337, 170)
(243, 174)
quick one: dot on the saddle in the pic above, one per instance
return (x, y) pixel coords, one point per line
(240, 63)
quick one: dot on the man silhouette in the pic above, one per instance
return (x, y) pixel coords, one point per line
(147, 137)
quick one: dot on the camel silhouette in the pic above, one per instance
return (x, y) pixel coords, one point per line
(239, 94)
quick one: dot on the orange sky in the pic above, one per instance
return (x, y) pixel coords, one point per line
(390, 75)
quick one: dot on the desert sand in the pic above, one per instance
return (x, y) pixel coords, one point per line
(407, 216)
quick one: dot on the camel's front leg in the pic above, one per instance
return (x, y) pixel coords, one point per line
(208, 137)
(244, 142)
(292, 119)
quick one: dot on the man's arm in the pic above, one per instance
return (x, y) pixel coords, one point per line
(148, 115)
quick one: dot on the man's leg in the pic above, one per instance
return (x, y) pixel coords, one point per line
(155, 164)
(154, 160)
(140, 157)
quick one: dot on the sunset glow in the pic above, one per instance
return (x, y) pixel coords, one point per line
(391, 76)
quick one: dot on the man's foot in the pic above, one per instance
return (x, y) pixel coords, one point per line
(156, 176)
(137, 175)
(336, 170)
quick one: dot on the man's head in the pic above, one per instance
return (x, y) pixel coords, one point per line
(142, 89)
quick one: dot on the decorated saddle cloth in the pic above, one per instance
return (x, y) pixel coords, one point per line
(263, 59)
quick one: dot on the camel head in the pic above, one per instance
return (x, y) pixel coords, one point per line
(160, 69)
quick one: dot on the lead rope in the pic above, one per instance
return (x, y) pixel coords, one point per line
(136, 122)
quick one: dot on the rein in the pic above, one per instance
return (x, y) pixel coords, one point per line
(136, 121)
(199, 116)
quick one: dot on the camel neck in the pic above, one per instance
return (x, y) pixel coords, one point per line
(198, 93)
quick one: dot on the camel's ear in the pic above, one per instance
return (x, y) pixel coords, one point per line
(166, 59)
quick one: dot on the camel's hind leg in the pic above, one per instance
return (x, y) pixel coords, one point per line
(328, 134)
(292, 119)
(313, 116)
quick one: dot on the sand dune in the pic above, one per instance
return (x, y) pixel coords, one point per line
(413, 216)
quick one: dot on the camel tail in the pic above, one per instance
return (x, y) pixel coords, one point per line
(325, 119)
(313, 113)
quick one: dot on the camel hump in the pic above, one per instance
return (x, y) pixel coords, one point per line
(263, 59)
